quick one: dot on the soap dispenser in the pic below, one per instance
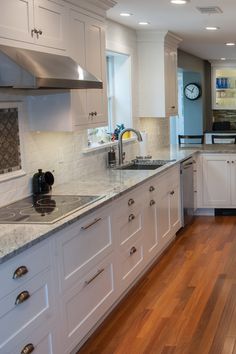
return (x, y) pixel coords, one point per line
(111, 157)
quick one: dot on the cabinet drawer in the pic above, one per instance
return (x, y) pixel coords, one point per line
(129, 227)
(86, 302)
(15, 273)
(130, 203)
(33, 308)
(131, 261)
(84, 244)
(42, 340)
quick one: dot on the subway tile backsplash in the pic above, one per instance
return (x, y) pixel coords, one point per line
(61, 153)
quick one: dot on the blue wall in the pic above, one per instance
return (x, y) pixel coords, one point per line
(193, 110)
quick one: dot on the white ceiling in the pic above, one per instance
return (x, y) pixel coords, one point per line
(185, 21)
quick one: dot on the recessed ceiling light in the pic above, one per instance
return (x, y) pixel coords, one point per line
(125, 14)
(212, 28)
(143, 23)
(179, 2)
(230, 44)
(222, 58)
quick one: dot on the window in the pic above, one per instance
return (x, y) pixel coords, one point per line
(119, 90)
(118, 96)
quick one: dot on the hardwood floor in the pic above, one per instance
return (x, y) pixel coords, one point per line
(186, 304)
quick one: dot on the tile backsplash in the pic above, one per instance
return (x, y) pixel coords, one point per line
(225, 115)
(10, 158)
(61, 153)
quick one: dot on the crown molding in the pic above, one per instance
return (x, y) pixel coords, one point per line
(103, 5)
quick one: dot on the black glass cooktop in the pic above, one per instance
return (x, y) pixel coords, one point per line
(44, 209)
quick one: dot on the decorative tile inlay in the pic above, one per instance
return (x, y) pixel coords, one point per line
(10, 159)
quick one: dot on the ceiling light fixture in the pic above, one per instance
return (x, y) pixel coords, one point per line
(212, 28)
(222, 58)
(230, 44)
(179, 2)
(143, 23)
(125, 14)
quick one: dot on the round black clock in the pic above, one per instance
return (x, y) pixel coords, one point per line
(192, 91)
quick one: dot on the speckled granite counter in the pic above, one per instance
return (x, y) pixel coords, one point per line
(14, 238)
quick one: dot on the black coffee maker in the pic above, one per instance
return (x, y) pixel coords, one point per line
(42, 182)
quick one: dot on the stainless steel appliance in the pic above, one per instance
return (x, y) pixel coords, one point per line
(187, 197)
(29, 69)
(44, 209)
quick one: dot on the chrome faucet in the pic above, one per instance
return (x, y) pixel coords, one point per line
(120, 142)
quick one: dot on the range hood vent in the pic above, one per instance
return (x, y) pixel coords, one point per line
(210, 10)
(28, 69)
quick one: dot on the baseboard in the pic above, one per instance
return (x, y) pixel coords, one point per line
(204, 212)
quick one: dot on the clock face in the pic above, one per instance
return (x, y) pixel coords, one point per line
(192, 91)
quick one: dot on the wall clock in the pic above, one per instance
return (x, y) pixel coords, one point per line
(192, 91)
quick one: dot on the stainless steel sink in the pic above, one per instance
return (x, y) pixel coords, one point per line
(144, 165)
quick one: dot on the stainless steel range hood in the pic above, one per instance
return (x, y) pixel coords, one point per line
(28, 69)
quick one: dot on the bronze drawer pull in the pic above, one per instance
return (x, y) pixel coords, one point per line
(132, 250)
(131, 217)
(130, 202)
(22, 297)
(91, 224)
(29, 348)
(151, 189)
(19, 272)
(172, 192)
(87, 282)
(152, 202)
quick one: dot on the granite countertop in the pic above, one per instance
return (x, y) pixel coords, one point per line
(233, 131)
(14, 238)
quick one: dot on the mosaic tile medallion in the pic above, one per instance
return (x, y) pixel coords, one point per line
(10, 159)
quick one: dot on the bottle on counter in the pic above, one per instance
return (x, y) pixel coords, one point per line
(111, 158)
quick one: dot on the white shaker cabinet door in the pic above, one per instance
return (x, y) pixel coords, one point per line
(16, 20)
(171, 81)
(50, 19)
(95, 64)
(76, 44)
(216, 180)
(163, 213)
(151, 240)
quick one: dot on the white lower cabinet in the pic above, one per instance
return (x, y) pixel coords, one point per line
(217, 181)
(86, 302)
(128, 227)
(85, 260)
(162, 212)
(40, 341)
(64, 286)
(27, 304)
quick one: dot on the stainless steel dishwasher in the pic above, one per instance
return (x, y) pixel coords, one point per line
(187, 192)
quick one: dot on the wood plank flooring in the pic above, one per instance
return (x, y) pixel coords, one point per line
(186, 304)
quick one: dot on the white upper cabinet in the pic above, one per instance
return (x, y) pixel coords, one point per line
(39, 22)
(16, 20)
(223, 85)
(50, 21)
(157, 54)
(86, 37)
